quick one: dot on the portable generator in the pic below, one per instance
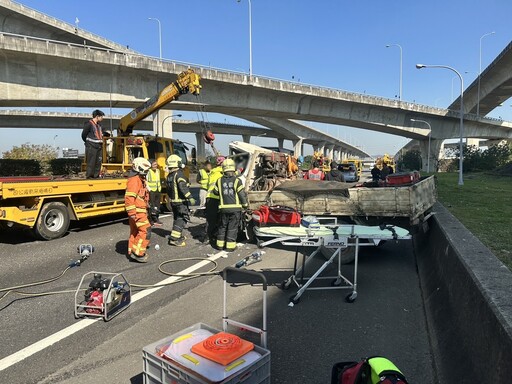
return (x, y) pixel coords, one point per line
(102, 294)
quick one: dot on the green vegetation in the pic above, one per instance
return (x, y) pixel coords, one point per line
(484, 205)
(43, 152)
(410, 161)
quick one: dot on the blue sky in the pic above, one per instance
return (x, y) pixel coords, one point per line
(333, 43)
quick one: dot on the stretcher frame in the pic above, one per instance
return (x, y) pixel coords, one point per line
(340, 243)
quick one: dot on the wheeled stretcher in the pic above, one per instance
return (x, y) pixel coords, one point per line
(338, 237)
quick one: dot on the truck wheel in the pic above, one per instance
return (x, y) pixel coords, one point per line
(168, 205)
(347, 255)
(53, 221)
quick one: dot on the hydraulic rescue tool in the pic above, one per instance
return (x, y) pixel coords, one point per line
(106, 295)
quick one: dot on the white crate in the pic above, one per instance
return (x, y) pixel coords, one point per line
(158, 370)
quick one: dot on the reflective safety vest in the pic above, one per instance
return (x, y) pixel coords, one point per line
(215, 174)
(177, 187)
(230, 190)
(153, 180)
(203, 181)
(136, 196)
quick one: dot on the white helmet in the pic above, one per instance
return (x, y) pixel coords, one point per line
(141, 165)
(173, 161)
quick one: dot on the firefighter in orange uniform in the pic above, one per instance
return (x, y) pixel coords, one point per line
(136, 200)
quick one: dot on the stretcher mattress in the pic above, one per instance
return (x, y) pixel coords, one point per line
(361, 231)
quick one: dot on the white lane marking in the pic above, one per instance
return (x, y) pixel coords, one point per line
(22, 354)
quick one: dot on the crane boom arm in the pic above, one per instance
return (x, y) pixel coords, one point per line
(187, 82)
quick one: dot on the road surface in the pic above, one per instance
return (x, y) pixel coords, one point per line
(305, 341)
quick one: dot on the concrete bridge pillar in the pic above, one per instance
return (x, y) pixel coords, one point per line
(298, 147)
(280, 144)
(329, 149)
(435, 154)
(336, 156)
(321, 148)
(162, 123)
(246, 138)
(200, 145)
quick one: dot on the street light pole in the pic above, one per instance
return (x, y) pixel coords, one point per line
(165, 118)
(159, 33)
(400, 89)
(480, 72)
(250, 37)
(461, 113)
(429, 134)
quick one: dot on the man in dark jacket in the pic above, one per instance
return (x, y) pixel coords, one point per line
(375, 173)
(385, 171)
(334, 174)
(92, 135)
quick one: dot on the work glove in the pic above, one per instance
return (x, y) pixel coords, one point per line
(192, 201)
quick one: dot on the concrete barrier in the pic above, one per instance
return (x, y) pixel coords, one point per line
(467, 293)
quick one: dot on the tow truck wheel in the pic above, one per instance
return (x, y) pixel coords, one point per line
(53, 221)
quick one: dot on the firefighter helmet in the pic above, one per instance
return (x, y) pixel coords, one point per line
(173, 161)
(141, 165)
(228, 165)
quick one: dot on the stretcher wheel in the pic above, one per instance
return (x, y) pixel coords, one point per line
(336, 282)
(294, 300)
(259, 242)
(285, 284)
(351, 297)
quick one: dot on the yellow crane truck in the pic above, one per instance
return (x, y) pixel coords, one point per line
(47, 205)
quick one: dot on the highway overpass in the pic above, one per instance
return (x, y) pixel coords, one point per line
(44, 72)
(495, 85)
(65, 120)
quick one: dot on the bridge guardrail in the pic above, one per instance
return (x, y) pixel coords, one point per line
(68, 24)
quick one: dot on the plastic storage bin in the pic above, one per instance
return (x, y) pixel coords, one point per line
(159, 370)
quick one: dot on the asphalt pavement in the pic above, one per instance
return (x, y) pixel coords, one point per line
(305, 341)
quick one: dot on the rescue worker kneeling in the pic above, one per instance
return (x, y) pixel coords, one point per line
(136, 200)
(180, 197)
(232, 199)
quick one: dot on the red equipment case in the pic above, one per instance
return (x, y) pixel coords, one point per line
(276, 215)
(403, 178)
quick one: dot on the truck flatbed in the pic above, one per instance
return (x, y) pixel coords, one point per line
(410, 201)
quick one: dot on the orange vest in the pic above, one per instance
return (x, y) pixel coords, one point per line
(136, 196)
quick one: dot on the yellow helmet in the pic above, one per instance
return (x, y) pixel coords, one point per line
(174, 161)
(228, 165)
(141, 165)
